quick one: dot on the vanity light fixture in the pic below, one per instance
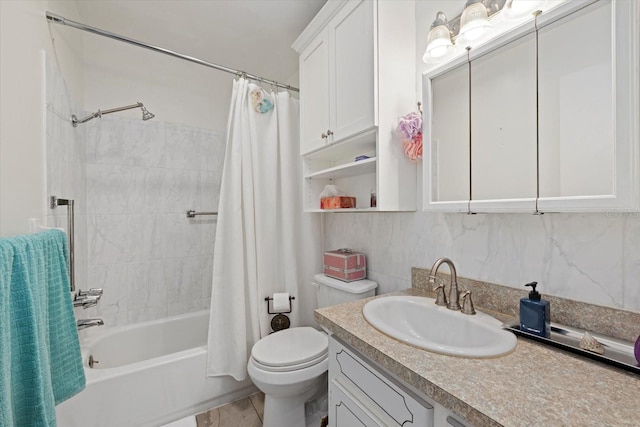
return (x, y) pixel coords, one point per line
(468, 26)
(438, 40)
(474, 21)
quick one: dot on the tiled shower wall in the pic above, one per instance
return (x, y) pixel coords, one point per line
(65, 162)
(141, 178)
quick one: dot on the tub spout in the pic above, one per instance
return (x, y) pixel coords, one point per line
(87, 323)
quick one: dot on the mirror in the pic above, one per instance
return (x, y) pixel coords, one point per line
(577, 105)
(503, 122)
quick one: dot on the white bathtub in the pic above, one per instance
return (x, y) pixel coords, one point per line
(148, 374)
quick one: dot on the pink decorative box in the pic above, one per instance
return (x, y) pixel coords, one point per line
(345, 265)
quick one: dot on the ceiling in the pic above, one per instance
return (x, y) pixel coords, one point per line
(254, 36)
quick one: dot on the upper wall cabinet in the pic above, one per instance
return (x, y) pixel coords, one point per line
(351, 70)
(338, 69)
(357, 74)
(553, 129)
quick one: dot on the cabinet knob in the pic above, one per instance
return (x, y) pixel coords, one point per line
(329, 133)
(323, 136)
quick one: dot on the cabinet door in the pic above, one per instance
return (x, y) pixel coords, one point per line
(588, 109)
(351, 42)
(446, 140)
(346, 411)
(503, 127)
(314, 94)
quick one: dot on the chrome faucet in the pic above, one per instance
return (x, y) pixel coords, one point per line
(454, 298)
(87, 323)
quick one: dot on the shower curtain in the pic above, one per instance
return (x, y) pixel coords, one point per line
(258, 247)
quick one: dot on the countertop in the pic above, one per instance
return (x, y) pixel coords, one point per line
(536, 385)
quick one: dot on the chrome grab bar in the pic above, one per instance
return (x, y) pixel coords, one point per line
(193, 214)
(55, 202)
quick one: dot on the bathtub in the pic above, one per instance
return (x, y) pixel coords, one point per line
(148, 374)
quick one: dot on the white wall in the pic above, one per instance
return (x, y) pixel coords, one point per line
(24, 34)
(587, 257)
(174, 90)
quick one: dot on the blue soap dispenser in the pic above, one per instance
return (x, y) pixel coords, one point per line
(535, 317)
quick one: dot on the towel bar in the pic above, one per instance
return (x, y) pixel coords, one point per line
(193, 214)
(55, 202)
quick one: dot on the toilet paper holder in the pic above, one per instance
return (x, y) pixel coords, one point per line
(267, 299)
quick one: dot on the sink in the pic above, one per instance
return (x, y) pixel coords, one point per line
(418, 321)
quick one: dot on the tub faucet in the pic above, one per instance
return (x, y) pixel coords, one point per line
(454, 298)
(87, 323)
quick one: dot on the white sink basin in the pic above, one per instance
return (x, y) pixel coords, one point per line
(418, 321)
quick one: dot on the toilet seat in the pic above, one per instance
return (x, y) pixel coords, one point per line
(290, 350)
(294, 367)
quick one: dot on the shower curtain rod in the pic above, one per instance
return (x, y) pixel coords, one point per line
(57, 19)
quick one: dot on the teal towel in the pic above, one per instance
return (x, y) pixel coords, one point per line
(40, 361)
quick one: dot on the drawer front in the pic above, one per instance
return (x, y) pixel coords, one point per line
(399, 404)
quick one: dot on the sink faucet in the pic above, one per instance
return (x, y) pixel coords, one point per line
(454, 302)
(87, 323)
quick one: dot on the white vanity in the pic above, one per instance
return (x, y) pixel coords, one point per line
(362, 394)
(377, 380)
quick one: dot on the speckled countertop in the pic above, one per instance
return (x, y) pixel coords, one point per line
(536, 385)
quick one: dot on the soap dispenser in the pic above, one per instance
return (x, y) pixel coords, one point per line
(535, 317)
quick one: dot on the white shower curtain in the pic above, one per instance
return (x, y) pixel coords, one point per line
(258, 247)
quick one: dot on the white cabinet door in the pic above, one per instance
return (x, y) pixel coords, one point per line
(589, 109)
(347, 411)
(503, 128)
(446, 140)
(314, 94)
(351, 41)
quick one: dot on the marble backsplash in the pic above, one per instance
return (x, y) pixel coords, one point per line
(608, 321)
(593, 258)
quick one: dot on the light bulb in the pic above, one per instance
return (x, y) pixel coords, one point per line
(438, 40)
(474, 21)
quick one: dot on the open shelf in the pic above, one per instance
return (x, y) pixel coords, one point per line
(349, 169)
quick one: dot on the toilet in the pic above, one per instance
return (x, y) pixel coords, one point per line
(290, 366)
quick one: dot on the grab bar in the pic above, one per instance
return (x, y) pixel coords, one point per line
(192, 213)
(55, 202)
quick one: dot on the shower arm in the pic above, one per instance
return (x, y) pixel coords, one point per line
(75, 121)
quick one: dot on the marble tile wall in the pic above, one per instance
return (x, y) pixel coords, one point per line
(133, 182)
(65, 162)
(593, 257)
(142, 177)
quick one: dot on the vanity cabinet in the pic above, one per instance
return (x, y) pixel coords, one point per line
(506, 134)
(357, 74)
(362, 394)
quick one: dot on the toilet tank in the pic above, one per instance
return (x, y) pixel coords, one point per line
(331, 291)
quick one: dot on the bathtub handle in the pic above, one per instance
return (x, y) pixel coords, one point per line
(92, 292)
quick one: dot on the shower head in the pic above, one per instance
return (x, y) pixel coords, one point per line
(146, 115)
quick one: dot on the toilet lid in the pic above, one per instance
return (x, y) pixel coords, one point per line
(290, 347)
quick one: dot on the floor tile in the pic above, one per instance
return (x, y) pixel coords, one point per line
(241, 413)
(209, 419)
(257, 400)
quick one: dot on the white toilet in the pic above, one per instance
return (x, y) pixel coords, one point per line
(290, 366)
